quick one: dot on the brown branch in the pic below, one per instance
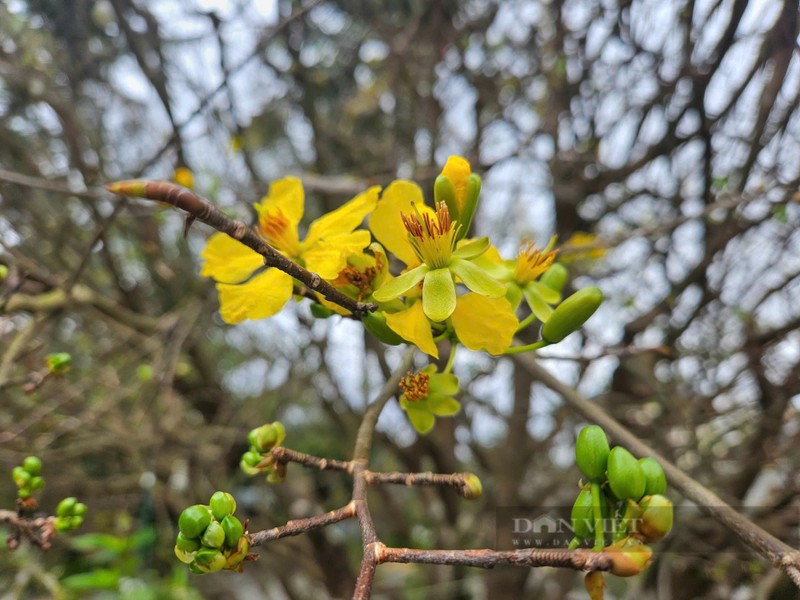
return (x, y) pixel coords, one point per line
(580, 560)
(299, 526)
(201, 209)
(285, 455)
(781, 555)
(39, 531)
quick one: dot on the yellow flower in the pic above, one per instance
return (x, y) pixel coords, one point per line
(245, 291)
(184, 177)
(427, 395)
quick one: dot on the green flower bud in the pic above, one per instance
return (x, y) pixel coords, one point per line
(75, 522)
(472, 487)
(655, 479)
(571, 314)
(267, 436)
(591, 453)
(186, 544)
(62, 524)
(656, 518)
(185, 556)
(3, 272)
(209, 560)
(222, 504)
(37, 482)
(66, 507)
(21, 477)
(58, 362)
(375, 323)
(320, 311)
(470, 205)
(24, 492)
(80, 509)
(194, 520)
(32, 464)
(555, 277)
(582, 515)
(233, 530)
(625, 475)
(213, 536)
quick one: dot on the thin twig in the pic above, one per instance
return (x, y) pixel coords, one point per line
(199, 208)
(299, 526)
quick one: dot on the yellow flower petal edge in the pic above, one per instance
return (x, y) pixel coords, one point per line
(387, 225)
(483, 323)
(227, 260)
(261, 297)
(329, 257)
(288, 196)
(412, 325)
(342, 220)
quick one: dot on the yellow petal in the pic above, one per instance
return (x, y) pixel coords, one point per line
(344, 219)
(412, 325)
(286, 195)
(259, 298)
(457, 169)
(387, 225)
(227, 260)
(483, 323)
(329, 257)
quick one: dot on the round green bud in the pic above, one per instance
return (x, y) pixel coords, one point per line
(21, 477)
(655, 479)
(194, 520)
(555, 277)
(251, 459)
(233, 530)
(214, 535)
(75, 522)
(66, 507)
(472, 488)
(3, 272)
(37, 482)
(62, 524)
(58, 362)
(80, 509)
(571, 314)
(186, 544)
(263, 438)
(32, 464)
(24, 492)
(185, 556)
(582, 515)
(222, 504)
(209, 560)
(656, 518)
(625, 475)
(591, 453)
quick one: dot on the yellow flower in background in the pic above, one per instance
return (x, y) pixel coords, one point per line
(582, 246)
(245, 292)
(184, 177)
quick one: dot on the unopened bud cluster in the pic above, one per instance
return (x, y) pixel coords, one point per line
(69, 514)
(211, 538)
(258, 459)
(28, 477)
(625, 491)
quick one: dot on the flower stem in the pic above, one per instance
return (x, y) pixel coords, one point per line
(526, 322)
(450, 359)
(527, 348)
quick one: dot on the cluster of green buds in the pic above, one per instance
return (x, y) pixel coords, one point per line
(623, 498)
(258, 458)
(58, 363)
(210, 537)
(28, 477)
(69, 514)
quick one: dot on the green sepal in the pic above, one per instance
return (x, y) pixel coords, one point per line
(537, 304)
(470, 204)
(438, 295)
(442, 406)
(398, 286)
(233, 530)
(472, 249)
(422, 419)
(555, 277)
(476, 279)
(320, 311)
(445, 191)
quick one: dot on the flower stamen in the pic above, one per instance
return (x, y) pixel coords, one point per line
(433, 238)
(415, 386)
(532, 262)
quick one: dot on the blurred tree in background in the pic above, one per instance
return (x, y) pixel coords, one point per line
(669, 130)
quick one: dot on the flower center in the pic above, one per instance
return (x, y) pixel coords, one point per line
(532, 262)
(415, 386)
(278, 231)
(433, 238)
